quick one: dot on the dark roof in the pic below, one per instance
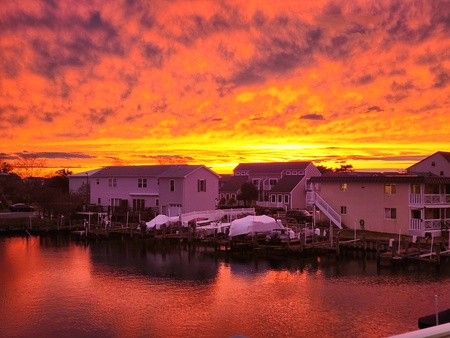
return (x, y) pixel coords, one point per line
(131, 171)
(379, 178)
(181, 171)
(234, 184)
(147, 170)
(271, 167)
(287, 183)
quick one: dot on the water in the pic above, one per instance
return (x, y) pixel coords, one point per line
(56, 287)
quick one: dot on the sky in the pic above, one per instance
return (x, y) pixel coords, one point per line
(88, 83)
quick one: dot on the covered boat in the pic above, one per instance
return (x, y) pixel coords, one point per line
(253, 224)
(159, 220)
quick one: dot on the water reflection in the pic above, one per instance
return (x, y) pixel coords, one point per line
(54, 286)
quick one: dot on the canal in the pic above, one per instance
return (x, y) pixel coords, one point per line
(55, 286)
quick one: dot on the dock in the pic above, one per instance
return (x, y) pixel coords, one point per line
(389, 250)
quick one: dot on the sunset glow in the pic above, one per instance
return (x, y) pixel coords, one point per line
(86, 83)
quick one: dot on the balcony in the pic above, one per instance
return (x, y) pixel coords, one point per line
(420, 227)
(429, 199)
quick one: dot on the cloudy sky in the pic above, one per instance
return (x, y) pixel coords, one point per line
(86, 83)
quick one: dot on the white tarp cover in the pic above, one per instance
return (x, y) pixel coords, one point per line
(251, 224)
(160, 220)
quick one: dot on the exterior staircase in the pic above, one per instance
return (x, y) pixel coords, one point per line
(313, 198)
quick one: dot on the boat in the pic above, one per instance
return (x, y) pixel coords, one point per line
(430, 320)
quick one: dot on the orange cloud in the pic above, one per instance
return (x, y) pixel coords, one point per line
(223, 83)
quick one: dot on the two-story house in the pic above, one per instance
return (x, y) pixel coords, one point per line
(167, 189)
(279, 184)
(414, 203)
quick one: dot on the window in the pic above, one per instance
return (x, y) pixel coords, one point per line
(273, 198)
(255, 182)
(344, 186)
(343, 210)
(99, 201)
(157, 202)
(288, 173)
(112, 182)
(138, 204)
(142, 183)
(273, 181)
(172, 185)
(390, 213)
(390, 188)
(98, 181)
(280, 198)
(441, 173)
(433, 164)
(115, 202)
(201, 185)
(286, 199)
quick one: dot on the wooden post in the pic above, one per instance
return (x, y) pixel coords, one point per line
(337, 244)
(288, 241)
(438, 253)
(163, 228)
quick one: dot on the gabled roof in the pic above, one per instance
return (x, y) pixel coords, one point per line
(180, 171)
(287, 183)
(444, 154)
(380, 178)
(271, 167)
(86, 173)
(234, 184)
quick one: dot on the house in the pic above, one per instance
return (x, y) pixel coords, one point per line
(411, 203)
(279, 184)
(437, 164)
(168, 189)
(183, 189)
(78, 183)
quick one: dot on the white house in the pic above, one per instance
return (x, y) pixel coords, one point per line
(168, 189)
(414, 203)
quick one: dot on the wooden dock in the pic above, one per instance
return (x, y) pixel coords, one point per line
(389, 251)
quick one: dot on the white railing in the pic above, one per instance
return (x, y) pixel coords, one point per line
(427, 224)
(271, 204)
(415, 224)
(432, 224)
(429, 199)
(328, 210)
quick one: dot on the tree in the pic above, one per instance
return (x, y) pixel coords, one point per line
(324, 169)
(29, 166)
(345, 168)
(249, 193)
(177, 159)
(6, 167)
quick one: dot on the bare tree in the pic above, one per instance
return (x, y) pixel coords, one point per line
(29, 166)
(177, 159)
(118, 162)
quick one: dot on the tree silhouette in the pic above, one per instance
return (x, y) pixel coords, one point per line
(248, 193)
